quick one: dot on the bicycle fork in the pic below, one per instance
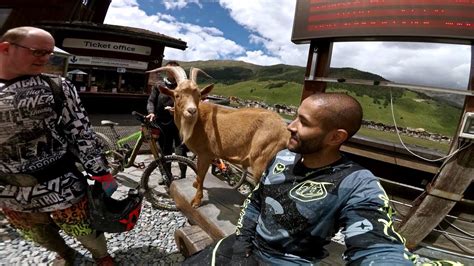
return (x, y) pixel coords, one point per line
(165, 171)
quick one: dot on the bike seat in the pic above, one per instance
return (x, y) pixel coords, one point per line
(108, 123)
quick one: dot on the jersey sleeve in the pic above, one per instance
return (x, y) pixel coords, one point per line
(247, 223)
(77, 129)
(367, 221)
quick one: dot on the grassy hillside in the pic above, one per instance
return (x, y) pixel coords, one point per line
(283, 84)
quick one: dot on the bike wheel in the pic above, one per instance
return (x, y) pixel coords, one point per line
(109, 149)
(234, 176)
(158, 194)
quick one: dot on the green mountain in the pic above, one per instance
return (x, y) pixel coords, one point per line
(283, 84)
(231, 72)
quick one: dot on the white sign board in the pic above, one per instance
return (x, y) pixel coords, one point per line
(107, 46)
(110, 62)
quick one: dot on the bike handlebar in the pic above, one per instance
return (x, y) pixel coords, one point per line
(139, 117)
(142, 118)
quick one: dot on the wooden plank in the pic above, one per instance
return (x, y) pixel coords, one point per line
(388, 158)
(191, 239)
(321, 67)
(220, 207)
(394, 85)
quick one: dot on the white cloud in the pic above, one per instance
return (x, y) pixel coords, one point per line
(270, 23)
(431, 64)
(204, 43)
(178, 4)
(258, 58)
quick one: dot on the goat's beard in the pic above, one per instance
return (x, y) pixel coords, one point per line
(185, 126)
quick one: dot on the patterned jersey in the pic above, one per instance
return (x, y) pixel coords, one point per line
(35, 140)
(295, 210)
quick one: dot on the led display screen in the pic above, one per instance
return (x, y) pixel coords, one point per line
(431, 20)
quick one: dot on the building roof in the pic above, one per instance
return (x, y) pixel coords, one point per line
(124, 31)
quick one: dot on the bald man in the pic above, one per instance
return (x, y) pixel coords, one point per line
(308, 193)
(35, 140)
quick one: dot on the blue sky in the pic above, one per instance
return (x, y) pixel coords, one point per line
(259, 32)
(206, 14)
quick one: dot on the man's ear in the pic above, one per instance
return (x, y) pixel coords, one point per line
(337, 137)
(4, 47)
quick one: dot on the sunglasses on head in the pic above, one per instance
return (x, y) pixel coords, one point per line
(35, 52)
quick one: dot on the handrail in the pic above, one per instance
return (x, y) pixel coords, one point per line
(392, 84)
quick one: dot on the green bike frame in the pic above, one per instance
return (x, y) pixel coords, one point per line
(138, 137)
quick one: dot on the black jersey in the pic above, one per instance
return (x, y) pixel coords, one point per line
(295, 211)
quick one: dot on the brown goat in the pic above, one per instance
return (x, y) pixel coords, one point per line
(250, 137)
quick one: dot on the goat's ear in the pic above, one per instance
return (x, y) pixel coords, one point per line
(205, 91)
(166, 91)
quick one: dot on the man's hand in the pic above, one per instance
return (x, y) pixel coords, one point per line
(150, 116)
(109, 185)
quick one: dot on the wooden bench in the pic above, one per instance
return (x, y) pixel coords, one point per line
(217, 214)
(217, 217)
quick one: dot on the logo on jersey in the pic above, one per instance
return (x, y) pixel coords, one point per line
(310, 191)
(279, 168)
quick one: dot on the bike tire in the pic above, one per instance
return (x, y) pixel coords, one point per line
(234, 176)
(241, 175)
(159, 196)
(109, 149)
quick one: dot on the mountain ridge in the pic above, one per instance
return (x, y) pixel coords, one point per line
(230, 72)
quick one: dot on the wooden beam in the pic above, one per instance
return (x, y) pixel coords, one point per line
(388, 84)
(445, 190)
(321, 67)
(390, 158)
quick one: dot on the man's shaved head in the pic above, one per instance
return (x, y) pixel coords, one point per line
(340, 111)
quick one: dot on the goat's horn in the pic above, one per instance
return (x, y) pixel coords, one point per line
(194, 71)
(177, 72)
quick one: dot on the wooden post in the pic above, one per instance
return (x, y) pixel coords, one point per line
(447, 189)
(322, 64)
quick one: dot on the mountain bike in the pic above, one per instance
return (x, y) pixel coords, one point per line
(164, 169)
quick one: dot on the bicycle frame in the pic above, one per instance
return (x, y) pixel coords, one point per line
(127, 155)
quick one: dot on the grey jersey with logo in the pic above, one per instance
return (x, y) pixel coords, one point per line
(32, 142)
(296, 210)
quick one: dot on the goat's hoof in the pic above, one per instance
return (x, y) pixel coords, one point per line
(195, 203)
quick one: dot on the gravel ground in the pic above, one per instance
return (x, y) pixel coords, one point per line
(151, 242)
